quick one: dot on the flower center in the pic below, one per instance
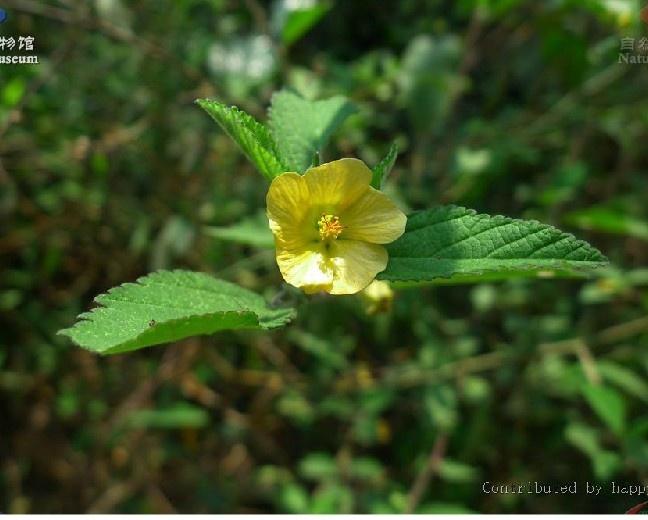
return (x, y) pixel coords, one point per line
(329, 226)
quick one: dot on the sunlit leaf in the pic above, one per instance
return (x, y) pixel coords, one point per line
(293, 498)
(608, 404)
(318, 466)
(167, 306)
(451, 241)
(293, 19)
(255, 140)
(302, 128)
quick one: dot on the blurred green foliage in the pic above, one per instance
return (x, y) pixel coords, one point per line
(108, 170)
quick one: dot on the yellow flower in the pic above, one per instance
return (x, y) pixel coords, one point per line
(329, 226)
(378, 297)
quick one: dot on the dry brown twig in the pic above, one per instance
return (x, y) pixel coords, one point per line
(430, 469)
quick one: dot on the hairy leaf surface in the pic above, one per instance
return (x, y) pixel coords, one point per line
(452, 241)
(167, 306)
(301, 128)
(253, 137)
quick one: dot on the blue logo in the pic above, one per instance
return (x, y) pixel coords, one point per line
(3, 15)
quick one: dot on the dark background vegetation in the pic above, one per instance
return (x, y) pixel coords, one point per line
(108, 171)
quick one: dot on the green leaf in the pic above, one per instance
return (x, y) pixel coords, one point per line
(382, 169)
(254, 138)
(293, 498)
(293, 20)
(252, 231)
(331, 498)
(608, 404)
(366, 469)
(608, 220)
(295, 406)
(318, 466)
(301, 128)
(454, 471)
(452, 241)
(586, 439)
(181, 415)
(167, 306)
(624, 378)
(440, 403)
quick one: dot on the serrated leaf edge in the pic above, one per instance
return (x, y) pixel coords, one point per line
(568, 265)
(246, 121)
(346, 109)
(89, 315)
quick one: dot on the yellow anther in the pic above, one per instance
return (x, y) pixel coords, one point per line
(329, 226)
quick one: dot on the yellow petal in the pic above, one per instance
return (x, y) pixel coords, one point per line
(373, 218)
(308, 268)
(288, 204)
(356, 264)
(339, 183)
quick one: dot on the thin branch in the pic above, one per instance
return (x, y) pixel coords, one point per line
(115, 495)
(588, 363)
(423, 479)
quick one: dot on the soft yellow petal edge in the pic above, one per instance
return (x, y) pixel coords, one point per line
(286, 198)
(287, 204)
(338, 183)
(356, 264)
(308, 269)
(373, 218)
